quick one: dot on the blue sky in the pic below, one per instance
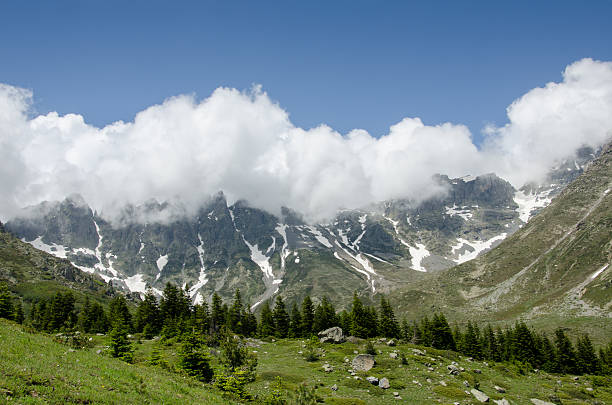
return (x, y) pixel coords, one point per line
(349, 64)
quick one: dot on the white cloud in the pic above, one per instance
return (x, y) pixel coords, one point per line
(185, 150)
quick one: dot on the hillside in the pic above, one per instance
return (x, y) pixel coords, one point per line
(33, 274)
(36, 369)
(557, 265)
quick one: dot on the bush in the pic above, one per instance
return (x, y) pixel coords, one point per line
(234, 383)
(369, 349)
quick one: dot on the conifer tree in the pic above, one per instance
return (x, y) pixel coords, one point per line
(586, 358)
(194, 359)
(307, 316)
(406, 330)
(266, 323)
(18, 312)
(235, 314)
(119, 313)
(417, 335)
(6, 302)
(281, 318)
(548, 354)
(344, 321)
(201, 318)
(358, 318)
(371, 321)
(148, 316)
(387, 326)
(249, 322)
(217, 315)
(471, 341)
(295, 324)
(491, 347)
(566, 356)
(524, 347)
(442, 336)
(325, 316)
(120, 344)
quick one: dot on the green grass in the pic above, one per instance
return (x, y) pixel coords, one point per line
(35, 369)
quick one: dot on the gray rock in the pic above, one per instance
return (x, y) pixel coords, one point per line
(453, 370)
(332, 335)
(393, 355)
(354, 339)
(443, 383)
(391, 342)
(467, 384)
(536, 401)
(395, 394)
(477, 371)
(479, 395)
(334, 387)
(363, 362)
(499, 389)
(502, 401)
(384, 383)
(328, 368)
(418, 352)
(372, 380)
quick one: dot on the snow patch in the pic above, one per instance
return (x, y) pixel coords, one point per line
(463, 212)
(418, 253)
(477, 246)
(53, 249)
(527, 203)
(319, 236)
(161, 262)
(260, 259)
(136, 283)
(598, 272)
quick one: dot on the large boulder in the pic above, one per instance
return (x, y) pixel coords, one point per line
(479, 395)
(332, 335)
(363, 362)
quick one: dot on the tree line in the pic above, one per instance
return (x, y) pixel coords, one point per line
(174, 315)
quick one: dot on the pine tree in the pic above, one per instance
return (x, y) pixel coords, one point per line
(217, 315)
(148, 316)
(175, 306)
(371, 321)
(120, 345)
(325, 316)
(491, 347)
(281, 318)
(18, 312)
(266, 323)
(586, 358)
(6, 302)
(194, 359)
(201, 318)
(524, 347)
(471, 341)
(84, 320)
(417, 336)
(234, 315)
(307, 316)
(442, 336)
(548, 354)
(406, 330)
(119, 313)
(249, 322)
(388, 326)
(358, 318)
(295, 324)
(566, 356)
(344, 320)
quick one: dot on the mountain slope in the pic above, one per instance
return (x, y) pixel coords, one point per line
(557, 264)
(33, 274)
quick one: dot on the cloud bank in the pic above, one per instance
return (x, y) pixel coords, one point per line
(244, 144)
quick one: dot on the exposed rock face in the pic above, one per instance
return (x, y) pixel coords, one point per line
(332, 335)
(363, 362)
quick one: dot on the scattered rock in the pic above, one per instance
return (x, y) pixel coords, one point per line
(363, 362)
(372, 380)
(384, 383)
(589, 389)
(536, 401)
(391, 342)
(346, 360)
(453, 370)
(334, 387)
(575, 378)
(395, 393)
(477, 371)
(502, 401)
(430, 369)
(332, 335)
(418, 352)
(328, 368)
(354, 339)
(499, 389)
(470, 359)
(393, 355)
(479, 395)
(98, 351)
(355, 352)
(443, 383)
(467, 384)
